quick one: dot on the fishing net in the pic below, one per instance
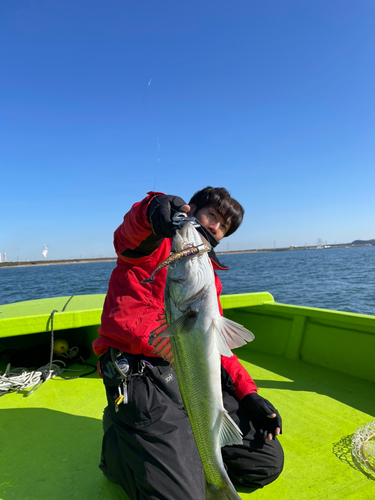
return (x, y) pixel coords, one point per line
(363, 446)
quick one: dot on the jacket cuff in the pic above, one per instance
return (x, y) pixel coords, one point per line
(134, 239)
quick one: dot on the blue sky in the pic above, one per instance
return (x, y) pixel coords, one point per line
(101, 102)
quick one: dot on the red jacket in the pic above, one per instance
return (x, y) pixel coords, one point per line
(131, 310)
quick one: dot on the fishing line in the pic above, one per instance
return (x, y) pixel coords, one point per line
(149, 118)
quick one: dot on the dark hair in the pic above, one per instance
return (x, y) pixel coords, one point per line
(222, 202)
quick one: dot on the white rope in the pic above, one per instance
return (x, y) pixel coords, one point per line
(19, 379)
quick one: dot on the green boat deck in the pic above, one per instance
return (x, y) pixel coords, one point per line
(50, 442)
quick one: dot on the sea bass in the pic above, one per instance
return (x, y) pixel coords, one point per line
(196, 337)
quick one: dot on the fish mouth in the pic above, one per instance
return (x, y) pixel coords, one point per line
(188, 236)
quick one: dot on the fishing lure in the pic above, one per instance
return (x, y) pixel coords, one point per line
(174, 257)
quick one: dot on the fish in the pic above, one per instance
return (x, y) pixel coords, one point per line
(193, 341)
(186, 252)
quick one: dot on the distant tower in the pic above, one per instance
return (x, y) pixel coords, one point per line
(0, 256)
(5, 257)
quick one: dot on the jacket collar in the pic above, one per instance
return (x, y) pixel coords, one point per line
(215, 261)
(208, 236)
(213, 243)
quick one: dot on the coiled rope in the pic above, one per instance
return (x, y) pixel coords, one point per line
(19, 379)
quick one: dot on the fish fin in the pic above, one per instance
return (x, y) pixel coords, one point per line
(162, 347)
(182, 324)
(221, 340)
(162, 326)
(234, 334)
(228, 493)
(159, 338)
(229, 433)
(160, 341)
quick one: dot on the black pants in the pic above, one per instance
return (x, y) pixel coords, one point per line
(150, 449)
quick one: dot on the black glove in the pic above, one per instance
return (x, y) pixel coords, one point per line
(258, 409)
(160, 213)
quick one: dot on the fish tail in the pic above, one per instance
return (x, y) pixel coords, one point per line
(227, 493)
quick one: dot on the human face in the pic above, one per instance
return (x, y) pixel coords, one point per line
(212, 220)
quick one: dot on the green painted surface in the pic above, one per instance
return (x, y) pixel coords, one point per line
(245, 299)
(33, 316)
(332, 339)
(50, 442)
(50, 446)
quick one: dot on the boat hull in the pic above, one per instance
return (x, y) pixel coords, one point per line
(314, 365)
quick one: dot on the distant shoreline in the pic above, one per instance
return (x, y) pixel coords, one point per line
(232, 252)
(54, 262)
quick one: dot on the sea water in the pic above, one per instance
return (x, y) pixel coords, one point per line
(333, 278)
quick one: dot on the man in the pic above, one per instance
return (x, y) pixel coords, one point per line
(148, 445)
